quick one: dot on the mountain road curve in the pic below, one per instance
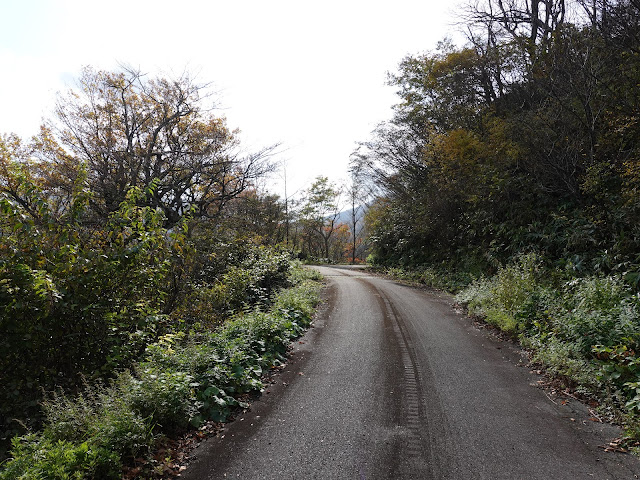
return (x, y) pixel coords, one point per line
(392, 383)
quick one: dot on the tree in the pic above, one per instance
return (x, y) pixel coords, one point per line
(524, 139)
(132, 131)
(259, 214)
(357, 195)
(75, 300)
(319, 213)
(441, 90)
(528, 23)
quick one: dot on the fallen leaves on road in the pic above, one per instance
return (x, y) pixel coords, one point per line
(615, 445)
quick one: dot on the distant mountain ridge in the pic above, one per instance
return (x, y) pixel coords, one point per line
(345, 216)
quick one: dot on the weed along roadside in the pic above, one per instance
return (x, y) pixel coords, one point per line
(581, 331)
(184, 380)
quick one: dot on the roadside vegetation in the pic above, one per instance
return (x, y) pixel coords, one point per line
(582, 330)
(181, 381)
(426, 276)
(509, 174)
(145, 283)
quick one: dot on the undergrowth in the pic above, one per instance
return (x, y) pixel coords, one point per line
(584, 330)
(182, 380)
(442, 279)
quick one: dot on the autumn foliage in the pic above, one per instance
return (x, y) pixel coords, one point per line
(122, 223)
(523, 140)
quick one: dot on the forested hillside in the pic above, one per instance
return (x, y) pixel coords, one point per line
(525, 139)
(514, 160)
(146, 282)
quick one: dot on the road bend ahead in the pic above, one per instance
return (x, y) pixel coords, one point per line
(392, 384)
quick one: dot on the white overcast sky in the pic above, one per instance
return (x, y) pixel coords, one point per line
(309, 75)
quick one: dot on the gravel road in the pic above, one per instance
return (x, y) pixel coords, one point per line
(392, 383)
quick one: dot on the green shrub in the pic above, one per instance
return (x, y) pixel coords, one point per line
(75, 300)
(564, 359)
(597, 311)
(586, 330)
(515, 284)
(619, 371)
(104, 416)
(40, 458)
(595, 293)
(181, 380)
(501, 319)
(249, 280)
(164, 397)
(476, 296)
(443, 277)
(510, 300)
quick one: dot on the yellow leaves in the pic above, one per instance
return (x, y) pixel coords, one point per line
(455, 156)
(631, 183)
(376, 215)
(463, 164)
(631, 171)
(454, 62)
(501, 144)
(461, 146)
(16, 162)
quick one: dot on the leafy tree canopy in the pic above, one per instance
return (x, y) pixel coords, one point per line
(128, 130)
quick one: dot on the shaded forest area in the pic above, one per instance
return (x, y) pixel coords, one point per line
(524, 140)
(513, 163)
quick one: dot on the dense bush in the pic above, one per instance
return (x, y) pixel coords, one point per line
(75, 300)
(508, 299)
(228, 273)
(181, 380)
(585, 329)
(80, 300)
(38, 457)
(104, 267)
(442, 277)
(514, 142)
